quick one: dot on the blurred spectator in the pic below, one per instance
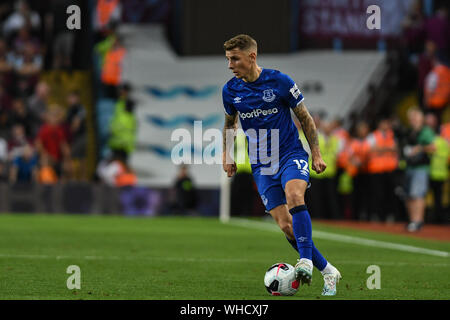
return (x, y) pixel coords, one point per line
(116, 172)
(438, 169)
(111, 74)
(3, 172)
(63, 40)
(107, 14)
(6, 58)
(357, 168)
(5, 99)
(38, 103)
(413, 29)
(18, 141)
(5, 110)
(401, 136)
(419, 145)
(382, 162)
(3, 149)
(437, 28)
(103, 46)
(20, 17)
(76, 134)
(3, 160)
(23, 39)
(185, 192)
(24, 168)
(123, 127)
(124, 96)
(29, 63)
(437, 87)
(51, 142)
(343, 180)
(20, 115)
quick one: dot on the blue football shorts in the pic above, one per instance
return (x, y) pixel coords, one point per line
(271, 187)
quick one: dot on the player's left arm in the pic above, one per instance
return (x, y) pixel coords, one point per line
(310, 130)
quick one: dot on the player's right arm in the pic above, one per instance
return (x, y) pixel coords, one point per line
(229, 128)
(310, 130)
(294, 99)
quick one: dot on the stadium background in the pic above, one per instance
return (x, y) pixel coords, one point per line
(165, 71)
(86, 177)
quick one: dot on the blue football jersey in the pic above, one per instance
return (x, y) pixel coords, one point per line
(265, 104)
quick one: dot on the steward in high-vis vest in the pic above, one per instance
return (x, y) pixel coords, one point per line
(123, 128)
(439, 174)
(445, 131)
(329, 147)
(343, 138)
(104, 12)
(125, 176)
(357, 169)
(382, 155)
(439, 160)
(324, 185)
(437, 89)
(113, 64)
(382, 162)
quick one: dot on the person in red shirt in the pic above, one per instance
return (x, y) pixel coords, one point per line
(51, 141)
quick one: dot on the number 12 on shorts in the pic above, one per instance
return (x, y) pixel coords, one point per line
(302, 164)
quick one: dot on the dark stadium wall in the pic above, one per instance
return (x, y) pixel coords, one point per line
(342, 24)
(203, 26)
(91, 198)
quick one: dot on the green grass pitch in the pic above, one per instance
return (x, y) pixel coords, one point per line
(195, 259)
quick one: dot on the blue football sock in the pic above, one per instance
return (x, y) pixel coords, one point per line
(301, 224)
(318, 260)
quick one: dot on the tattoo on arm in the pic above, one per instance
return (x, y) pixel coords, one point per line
(308, 126)
(230, 123)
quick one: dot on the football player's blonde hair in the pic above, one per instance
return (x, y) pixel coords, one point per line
(242, 41)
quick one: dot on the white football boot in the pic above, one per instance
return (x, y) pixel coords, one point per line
(330, 281)
(303, 271)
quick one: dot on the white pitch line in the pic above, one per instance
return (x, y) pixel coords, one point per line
(218, 260)
(342, 238)
(176, 259)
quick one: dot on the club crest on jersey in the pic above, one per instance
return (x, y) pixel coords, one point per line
(268, 95)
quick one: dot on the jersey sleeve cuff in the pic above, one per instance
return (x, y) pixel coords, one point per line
(299, 102)
(228, 113)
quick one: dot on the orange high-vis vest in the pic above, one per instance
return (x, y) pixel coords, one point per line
(343, 156)
(445, 131)
(379, 162)
(359, 150)
(112, 67)
(47, 175)
(105, 8)
(437, 87)
(125, 177)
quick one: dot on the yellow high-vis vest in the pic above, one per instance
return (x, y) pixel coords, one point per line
(439, 160)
